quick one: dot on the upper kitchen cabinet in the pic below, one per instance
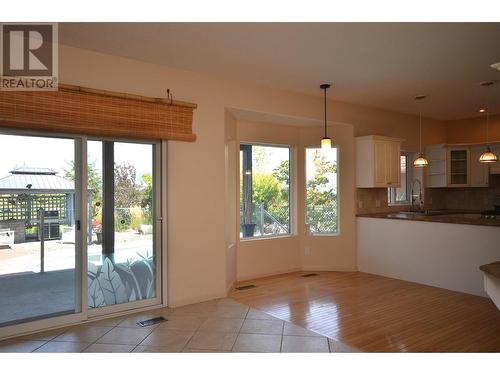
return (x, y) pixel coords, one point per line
(458, 165)
(495, 167)
(436, 170)
(479, 172)
(378, 162)
(455, 166)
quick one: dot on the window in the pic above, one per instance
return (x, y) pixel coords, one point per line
(322, 215)
(264, 191)
(401, 195)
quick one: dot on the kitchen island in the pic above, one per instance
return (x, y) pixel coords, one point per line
(445, 251)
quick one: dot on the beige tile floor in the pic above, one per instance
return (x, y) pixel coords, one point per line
(222, 325)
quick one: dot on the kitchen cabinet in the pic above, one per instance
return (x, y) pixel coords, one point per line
(479, 172)
(495, 167)
(456, 166)
(378, 161)
(436, 170)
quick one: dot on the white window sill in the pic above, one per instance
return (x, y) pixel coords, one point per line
(323, 234)
(261, 238)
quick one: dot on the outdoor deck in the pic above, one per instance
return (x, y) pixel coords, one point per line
(25, 292)
(36, 294)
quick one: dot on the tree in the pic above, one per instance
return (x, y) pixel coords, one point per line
(271, 194)
(321, 209)
(127, 194)
(259, 157)
(266, 189)
(282, 172)
(147, 196)
(94, 184)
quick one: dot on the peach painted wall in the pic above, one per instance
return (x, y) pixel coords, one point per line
(198, 264)
(268, 256)
(472, 130)
(332, 253)
(231, 181)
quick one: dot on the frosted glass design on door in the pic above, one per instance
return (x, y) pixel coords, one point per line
(111, 284)
(121, 255)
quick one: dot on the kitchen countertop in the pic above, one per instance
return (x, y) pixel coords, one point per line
(451, 217)
(492, 269)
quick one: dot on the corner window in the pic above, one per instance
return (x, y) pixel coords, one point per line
(401, 195)
(322, 215)
(264, 191)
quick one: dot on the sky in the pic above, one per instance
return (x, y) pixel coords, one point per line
(55, 153)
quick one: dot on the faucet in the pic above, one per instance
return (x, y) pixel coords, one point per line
(413, 196)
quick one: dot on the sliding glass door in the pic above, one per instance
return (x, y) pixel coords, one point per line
(122, 206)
(80, 228)
(39, 245)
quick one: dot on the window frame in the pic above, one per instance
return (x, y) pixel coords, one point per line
(337, 175)
(85, 314)
(291, 193)
(391, 191)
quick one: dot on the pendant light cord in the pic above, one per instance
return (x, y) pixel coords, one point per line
(487, 84)
(487, 123)
(324, 90)
(419, 98)
(420, 127)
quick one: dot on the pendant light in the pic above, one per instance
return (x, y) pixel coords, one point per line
(326, 142)
(420, 161)
(487, 156)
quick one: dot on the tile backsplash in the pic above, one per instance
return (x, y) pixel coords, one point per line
(374, 200)
(370, 201)
(480, 199)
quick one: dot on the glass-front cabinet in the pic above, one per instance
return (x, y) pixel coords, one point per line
(458, 166)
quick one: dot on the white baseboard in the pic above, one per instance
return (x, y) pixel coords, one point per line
(301, 269)
(261, 275)
(329, 269)
(199, 299)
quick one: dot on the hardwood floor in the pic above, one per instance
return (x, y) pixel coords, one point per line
(379, 314)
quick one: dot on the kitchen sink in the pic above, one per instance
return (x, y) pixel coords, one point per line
(428, 213)
(417, 213)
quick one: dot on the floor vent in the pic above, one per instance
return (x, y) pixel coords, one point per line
(150, 322)
(310, 275)
(245, 287)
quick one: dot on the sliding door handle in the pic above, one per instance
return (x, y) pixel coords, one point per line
(77, 224)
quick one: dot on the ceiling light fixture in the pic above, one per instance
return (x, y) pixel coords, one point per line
(487, 156)
(421, 161)
(326, 142)
(496, 66)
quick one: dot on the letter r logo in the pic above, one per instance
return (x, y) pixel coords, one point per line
(27, 50)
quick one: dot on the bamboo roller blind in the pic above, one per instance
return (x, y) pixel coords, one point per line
(79, 110)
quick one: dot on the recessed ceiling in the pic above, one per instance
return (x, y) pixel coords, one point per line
(381, 65)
